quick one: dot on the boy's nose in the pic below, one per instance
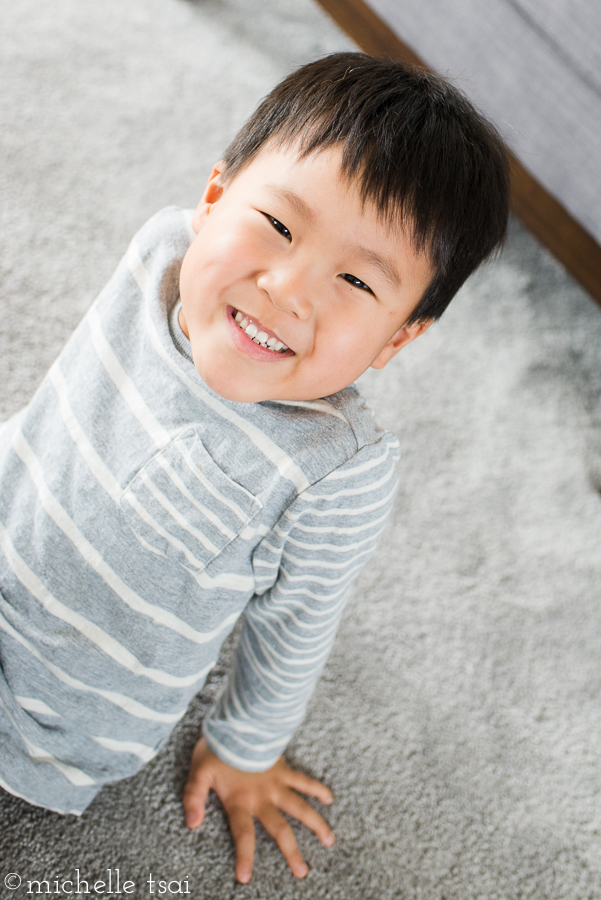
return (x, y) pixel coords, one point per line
(289, 291)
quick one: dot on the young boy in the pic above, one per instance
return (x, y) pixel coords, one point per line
(198, 451)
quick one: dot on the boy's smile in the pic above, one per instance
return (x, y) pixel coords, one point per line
(249, 333)
(289, 267)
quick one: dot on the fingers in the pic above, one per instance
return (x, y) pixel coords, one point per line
(295, 806)
(195, 798)
(276, 825)
(243, 832)
(309, 786)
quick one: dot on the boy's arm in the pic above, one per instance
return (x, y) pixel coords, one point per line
(317, 549)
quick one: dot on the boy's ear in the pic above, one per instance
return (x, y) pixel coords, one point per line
(400, 339)
(212, 193)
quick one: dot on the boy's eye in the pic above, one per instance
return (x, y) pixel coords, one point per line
(278, 226)
(356, 282)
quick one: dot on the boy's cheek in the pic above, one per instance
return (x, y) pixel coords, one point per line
(186, 278)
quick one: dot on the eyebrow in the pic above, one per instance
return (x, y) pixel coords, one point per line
(288, 196)
(379, 262)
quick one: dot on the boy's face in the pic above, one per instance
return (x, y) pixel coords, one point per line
(288, 245)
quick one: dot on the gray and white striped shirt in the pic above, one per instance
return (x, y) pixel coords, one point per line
(140, 515)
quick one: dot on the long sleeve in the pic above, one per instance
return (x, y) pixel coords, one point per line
(305, 571)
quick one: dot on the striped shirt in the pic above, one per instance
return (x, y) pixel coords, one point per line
(140, 515)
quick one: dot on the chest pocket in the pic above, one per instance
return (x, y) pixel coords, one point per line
(181, 505)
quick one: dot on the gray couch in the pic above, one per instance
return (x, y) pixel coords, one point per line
(535, 68)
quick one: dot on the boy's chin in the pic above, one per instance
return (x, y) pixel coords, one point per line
(239, 392)
(242, 389)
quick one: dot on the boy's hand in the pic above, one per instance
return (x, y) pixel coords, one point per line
(256, 795)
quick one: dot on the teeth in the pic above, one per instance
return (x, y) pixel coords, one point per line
(259, 337)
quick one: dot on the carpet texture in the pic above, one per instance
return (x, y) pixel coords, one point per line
(458, 720)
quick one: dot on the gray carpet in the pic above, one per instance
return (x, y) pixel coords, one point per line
(458, 721)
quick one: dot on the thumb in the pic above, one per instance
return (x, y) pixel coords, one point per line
(194, 800)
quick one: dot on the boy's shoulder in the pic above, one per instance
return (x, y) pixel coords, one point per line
(345, 410)
(169, 228)
(329, 435)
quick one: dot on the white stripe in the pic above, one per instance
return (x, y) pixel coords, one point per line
(112, 648)
(277, 742)
(260, 673)
(137, 268)
(32, 704)
(298, 686)
(344, 472)
(335, 548)
(319, 579)
(240, 762)
(231, 581)
(265, 612)
(124, 384)
(140, 750)
(269, 711)
(329, 529)
(94, 560)
(174, 513)
(265, 565)
(294, 685)
(325, 634)
(249, 532)
(280, 630)
(267, 546)
(170, 538)
(241, 727)
(280, 709)
(288, 712)
(320, 405)
(206, 484)
(351, 492)
(349, 511)
(309, 561)
(296, 656)
(71, 773)
(315, 612)
(131, 707)
(96, 464)
(285, 465)
(305, 592)
(188, 215)
(11, 790)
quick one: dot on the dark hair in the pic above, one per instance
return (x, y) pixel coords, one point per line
(418, 149)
